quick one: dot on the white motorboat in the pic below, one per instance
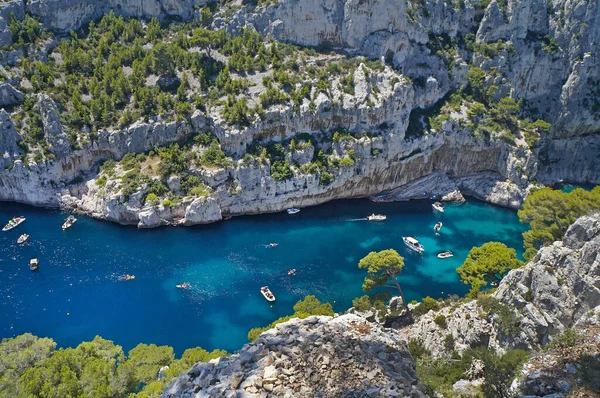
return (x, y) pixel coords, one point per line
(69, 222)
(184, 285)
(437, 227)
(273, 244)
(446, 254)
(13, 223)
(377, 217)
(267, 293)
(292, 272)
(413, 244)
(293, 210)
(437, 206)
(34, 264)
(22, 238)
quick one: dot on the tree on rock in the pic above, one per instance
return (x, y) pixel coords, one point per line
(487, 264)
(382, 267)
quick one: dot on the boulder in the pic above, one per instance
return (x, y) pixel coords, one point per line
(10, 96)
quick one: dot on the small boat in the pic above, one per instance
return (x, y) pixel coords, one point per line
(69, 221)
(228, 218)
(446, 254)
(13, 223)
(128, 277)
(22, 238)
(293, 210)
(413, 244)
(273, 244)
(34, 264)
(437, 206)
(292, 271)
(267, 293)
(184, 285)
(437, 227)
(377, 217)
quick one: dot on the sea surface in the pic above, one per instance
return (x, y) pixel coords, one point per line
(77, 292)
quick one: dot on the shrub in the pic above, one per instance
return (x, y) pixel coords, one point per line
(280, 170)
(440, 320)
(167, 203)
(101, 181)
(151, 199)
(417, 349)
(347, 162)
(326, 178)
(565, 340)
(362, 304)
(504, 316)
(449, 343)
(426, 305)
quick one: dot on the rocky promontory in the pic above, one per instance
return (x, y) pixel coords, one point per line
(319, 356)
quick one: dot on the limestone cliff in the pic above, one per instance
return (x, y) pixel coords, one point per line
(321, 356)
(537, 51)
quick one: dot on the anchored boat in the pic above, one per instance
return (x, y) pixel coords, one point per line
(267, 293)
(377, 217)
(413, 244)
(34, 264)
(69, 221)
(437, 206)
(293, 210)
(22, 238)
(437, 227)
(446, 254)
(292, 272)
(13, 223)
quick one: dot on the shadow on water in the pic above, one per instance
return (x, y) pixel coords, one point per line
(226, 263)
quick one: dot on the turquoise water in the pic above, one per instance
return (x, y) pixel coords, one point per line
(77, 293)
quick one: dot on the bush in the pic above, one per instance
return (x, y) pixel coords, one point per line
(503, 315)
(565, 340)
(347, 162)
(167, 203)
(280, 170)
(151, 199)
(449, 343)
(417, 349)
(101, 181)
(426, 305)
(362, 304)
(440, 320)
(326, 178)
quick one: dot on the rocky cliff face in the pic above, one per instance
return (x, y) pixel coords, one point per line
(549, 295)
(317, 357)
(535, 50)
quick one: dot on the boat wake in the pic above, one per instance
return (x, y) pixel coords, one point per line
(358, 219)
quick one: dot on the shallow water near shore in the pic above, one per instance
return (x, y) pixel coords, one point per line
(77, 293)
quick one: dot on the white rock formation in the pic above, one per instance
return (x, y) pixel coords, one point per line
(313, 357)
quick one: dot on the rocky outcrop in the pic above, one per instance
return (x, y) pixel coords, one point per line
(9, 95)
(9, 138)
(313, 357)
(548, 295)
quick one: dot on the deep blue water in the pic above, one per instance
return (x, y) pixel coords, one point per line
(226, 263)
